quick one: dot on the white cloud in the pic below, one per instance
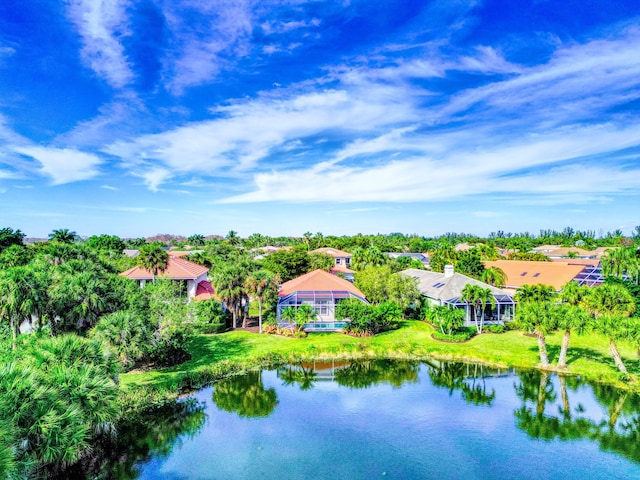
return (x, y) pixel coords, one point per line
(247, 133)
(63, 165)
(109, 187)
(465, 172)
(417, 145)
(102, 24)
(154, 177)
(201, 48)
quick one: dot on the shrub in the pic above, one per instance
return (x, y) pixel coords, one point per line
(209, 317)
(459, 336)
(495, 328)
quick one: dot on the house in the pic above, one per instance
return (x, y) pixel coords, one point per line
(322, 291)
(342, 261)
(421, 257)
(445, 289)
(555, 274)
(194, 276)
(556, 251)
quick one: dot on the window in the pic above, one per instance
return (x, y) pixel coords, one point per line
(347, 261)
(536, 274)
(438, 285)
(322, 307)
(338, 261)
(523, 274)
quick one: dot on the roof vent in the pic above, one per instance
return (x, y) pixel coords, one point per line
(448, 271)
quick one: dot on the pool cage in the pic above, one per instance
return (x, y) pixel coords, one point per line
(323, 302)
(503, 311)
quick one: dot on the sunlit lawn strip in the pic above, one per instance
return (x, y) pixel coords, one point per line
(214, 356)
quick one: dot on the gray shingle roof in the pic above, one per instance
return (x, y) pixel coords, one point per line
(435, 285)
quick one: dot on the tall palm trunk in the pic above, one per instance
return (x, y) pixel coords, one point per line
(542, 349)
(562, 360)
(542, 393)
(260, 315)
(616, 356)
(615, 411)
(566, 409)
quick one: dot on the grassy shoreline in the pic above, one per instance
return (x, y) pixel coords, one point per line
(221, 355)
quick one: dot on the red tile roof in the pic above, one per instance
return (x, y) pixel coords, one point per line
(318, 281)
(177, 269)
(204, 291)
(332, 252)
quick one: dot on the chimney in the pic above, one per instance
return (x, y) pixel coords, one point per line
(448, 271)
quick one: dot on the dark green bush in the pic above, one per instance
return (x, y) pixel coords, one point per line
(209, 317)
(495, 328)
(459, 336)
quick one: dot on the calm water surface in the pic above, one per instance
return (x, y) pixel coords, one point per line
(387, 419)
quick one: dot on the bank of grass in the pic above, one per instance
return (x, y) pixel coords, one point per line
(219, 355)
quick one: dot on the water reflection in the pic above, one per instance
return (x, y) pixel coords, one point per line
(154, 433)
(245, 395)
(545, 407)
(469, 379)
(618, 429)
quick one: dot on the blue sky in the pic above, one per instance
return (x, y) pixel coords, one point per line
(190, 116)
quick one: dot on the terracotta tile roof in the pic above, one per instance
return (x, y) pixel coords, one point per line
(521, 272)
(318, 281)
(332, 252)
(177, 269)
(204, 291)
(581, 252)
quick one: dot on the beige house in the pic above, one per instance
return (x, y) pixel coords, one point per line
(341, 259)
(193, 275)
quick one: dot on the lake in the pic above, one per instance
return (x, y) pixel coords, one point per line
(383, 419)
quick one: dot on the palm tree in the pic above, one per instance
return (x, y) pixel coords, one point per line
(570, 316)
(538, 318)
(153, 258)
(611, 304)
(534, 293)
(63, 235)
(15, 302)
(478, 297)
(229, 285)
(306, 238)
(494, 276)
(304, 314)
(232, 237)
(621, 261)
(196, 240)
(261, 285)
(367, 257)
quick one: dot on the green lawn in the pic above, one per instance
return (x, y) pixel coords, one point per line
(215, 356)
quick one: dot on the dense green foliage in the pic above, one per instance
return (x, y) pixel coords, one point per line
(366, 319)
(379, 284)
(58, 394)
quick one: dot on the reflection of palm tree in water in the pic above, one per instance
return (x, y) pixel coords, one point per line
(364, 374)
(458, 376)
(304, 377)
(245, 395)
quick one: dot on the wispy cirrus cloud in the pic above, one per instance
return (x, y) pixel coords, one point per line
(205, 36)
(102, 24)
(531, 166)
(63, 165)
(247, 133)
